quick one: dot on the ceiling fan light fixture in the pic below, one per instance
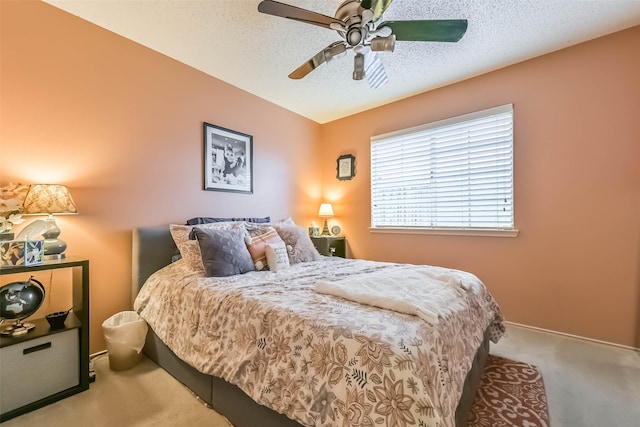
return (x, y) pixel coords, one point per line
(354, 36)
(358, 67)
(383, 44)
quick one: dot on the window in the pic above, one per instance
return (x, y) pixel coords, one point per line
(455, 174)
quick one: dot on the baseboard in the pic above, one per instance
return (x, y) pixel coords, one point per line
(549, 331)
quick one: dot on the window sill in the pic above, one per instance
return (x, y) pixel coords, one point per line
(480, 232)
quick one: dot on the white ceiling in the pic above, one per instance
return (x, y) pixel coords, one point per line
(232, 41)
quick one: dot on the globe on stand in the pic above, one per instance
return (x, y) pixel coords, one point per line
(19, 300)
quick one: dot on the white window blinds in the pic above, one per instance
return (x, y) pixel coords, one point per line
(455, 173)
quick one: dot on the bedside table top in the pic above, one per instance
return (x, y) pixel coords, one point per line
(71, 261)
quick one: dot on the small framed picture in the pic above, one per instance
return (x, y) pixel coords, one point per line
(228, 160)
(346, 167)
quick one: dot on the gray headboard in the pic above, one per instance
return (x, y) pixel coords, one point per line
(152, 249)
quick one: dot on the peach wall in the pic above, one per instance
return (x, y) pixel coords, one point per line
(121, 125)
(574, 267)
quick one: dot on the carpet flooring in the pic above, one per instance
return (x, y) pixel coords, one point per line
(511, 394)
(587, 384)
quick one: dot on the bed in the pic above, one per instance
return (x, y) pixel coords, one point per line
(342, 371)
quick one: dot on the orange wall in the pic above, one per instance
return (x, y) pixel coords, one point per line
(575, 267)
(121, 125)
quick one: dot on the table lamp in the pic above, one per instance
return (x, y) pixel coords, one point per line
(325, 211)
(49, 199)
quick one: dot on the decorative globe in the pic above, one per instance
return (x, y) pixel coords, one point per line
(19, 300)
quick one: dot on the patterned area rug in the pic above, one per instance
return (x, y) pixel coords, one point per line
(510, 394)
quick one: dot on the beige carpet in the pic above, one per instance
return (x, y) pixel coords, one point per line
(142, 396)
(587, 385)
(147, 396)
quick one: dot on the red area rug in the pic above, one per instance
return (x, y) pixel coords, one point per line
(510, 394)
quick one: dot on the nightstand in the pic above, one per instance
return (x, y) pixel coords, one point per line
(331, 245)
(46, 365)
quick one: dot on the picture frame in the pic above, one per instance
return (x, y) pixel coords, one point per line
(346, 167)
(228, 160)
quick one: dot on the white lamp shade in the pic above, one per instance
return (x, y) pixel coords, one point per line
(326, 210)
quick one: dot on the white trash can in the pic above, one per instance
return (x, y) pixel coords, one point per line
(125, 333)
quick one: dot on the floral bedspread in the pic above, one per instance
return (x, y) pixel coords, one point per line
(319, 359)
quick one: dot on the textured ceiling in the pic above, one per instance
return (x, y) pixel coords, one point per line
(232, 41)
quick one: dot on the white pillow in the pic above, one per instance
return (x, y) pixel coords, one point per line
(277, 256)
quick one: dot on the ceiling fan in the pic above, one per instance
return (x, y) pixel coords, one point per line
(356, 21)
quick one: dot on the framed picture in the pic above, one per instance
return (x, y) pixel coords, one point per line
(346, 167)
(228, 160)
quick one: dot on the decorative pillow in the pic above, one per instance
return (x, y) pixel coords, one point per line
(208, 220)
(224, 252)
(258, 243)
(256, 228)
(189, 249)
(277, 256)
(299, 245)
(285, 221)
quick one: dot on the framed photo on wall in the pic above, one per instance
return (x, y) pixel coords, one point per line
(346, 167)
(228, 160)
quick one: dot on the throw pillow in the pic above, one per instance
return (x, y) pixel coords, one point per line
(224, 252)
(255, 228)
(257, 246)
(277, 256)
(189, 249)
(299, 245)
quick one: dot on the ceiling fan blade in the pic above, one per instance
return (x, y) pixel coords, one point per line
(446, 30)
(325, 55)
(374, 71)
(291, 12)
(377, 7)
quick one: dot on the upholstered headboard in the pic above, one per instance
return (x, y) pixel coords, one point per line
(152, 249)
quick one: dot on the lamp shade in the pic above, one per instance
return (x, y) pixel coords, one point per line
(326, 210)
(48, 199)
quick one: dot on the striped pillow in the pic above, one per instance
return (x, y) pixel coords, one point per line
(257, 246)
